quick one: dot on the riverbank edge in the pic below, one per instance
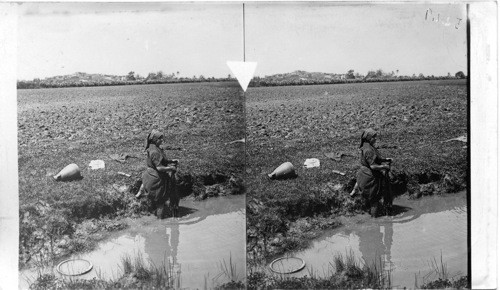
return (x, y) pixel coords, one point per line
(295, 233)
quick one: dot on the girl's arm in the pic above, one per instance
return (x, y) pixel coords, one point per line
(374, 160)
(380, 167)
(166, 168)
(167, 162)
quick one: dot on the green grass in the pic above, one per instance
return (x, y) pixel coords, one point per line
(299, 122)
(76, 125)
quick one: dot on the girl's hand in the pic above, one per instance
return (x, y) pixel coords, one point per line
(171, 168)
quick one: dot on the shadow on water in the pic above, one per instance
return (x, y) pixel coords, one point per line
(185, 211)
(398, 210)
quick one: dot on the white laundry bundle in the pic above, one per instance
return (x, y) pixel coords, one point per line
(311, 163)
(96, 164)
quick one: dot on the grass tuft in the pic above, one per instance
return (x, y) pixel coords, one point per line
(228, 271)
(441, 277)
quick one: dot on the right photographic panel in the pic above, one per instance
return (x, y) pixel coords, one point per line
(357, 153)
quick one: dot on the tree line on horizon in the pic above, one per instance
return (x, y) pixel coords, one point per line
(132, 78)
(287, 79)
(305, 78)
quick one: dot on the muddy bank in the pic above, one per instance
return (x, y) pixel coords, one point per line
(200, 186)
(407, 244)
(211, 184)
(208, 234)
(421, 183)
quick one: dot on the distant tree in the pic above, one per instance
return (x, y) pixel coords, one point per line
(421, 75)
(379, 73)
(460, 75)
(151, 76)
(371, 74)
(449, 75)
(130, 76)
(202, 77)
(159, 75)
(350, 74)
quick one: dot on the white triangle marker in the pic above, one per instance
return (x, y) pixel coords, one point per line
(243, 71)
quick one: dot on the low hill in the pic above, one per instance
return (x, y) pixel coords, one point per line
(84, 77)
(301, 75)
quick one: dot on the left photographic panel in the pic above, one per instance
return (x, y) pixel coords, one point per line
(131, 146)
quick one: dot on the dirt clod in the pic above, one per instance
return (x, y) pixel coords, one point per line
(134, 188)
(213, 178)
(429, 176)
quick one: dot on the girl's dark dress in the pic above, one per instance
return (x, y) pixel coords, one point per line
(370, 181)
(159, 185)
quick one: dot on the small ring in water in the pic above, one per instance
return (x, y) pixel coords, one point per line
(290, 271)
(77, 274)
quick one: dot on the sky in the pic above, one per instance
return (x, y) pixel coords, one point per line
(199, 38)
(107, 38)
(336, 38)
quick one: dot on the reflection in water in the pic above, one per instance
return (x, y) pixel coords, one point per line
(162, 247)
(388, 232)
(375, 245)
(173, 242)
(403, 244)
